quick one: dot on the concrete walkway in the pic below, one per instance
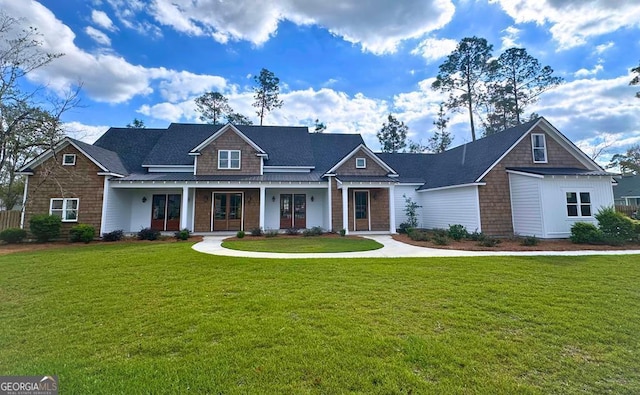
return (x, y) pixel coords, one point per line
(392, 249)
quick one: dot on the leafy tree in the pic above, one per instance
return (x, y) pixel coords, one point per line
(319, 127)
(441, 139)
(628, 162)
(393, 135)
(464, 75)
(518, 80)
(136, 124)
(266, 93)
(238, 119)
(212, 106)
(416, 147)
(636, 79)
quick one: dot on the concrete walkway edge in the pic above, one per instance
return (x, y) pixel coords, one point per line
(391, 249)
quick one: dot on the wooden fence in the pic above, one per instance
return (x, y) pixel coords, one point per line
(9, 219)
(629, 210)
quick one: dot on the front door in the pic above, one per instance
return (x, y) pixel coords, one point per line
(361, 210)
(165, 212)
(227, 211)
(293, 211)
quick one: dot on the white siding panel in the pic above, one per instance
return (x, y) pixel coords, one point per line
(400, 204)
(118, 210)
(557, 223)
(526, 205)
(452, 206)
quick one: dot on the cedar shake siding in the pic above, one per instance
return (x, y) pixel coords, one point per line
(372, 169)
(229, 140)
(336, 206)
(53, 180)
(251, 217)
(378, 210)
(495, 200)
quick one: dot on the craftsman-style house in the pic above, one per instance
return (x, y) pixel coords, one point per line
(529, 180)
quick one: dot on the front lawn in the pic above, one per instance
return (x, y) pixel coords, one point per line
(299, 244)
(162, 318)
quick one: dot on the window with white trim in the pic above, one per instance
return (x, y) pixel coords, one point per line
(229, 159)
(578, 204)
(69, 159)
(65, 208)
(361, 163)
(539, 146)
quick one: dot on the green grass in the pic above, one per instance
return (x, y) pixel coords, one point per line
(303, 244)
(161, 318)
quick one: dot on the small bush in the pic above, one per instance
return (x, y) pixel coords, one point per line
(271, 233)
(440, 239)
(440, 232)
(529, 241)
(616, 228)
(476, 236)
(343, 232)
(256, 232)
(292, 231)
(418, 235)
(240, 234)
(586, 233)
(404, 227)
(148, 234)
(116, 235)
(315, 231)
(457, 232)
(45, 227)
(488, 242)
(13, 235)
(82, 232)
(183, 234)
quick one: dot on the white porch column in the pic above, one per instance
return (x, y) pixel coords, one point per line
(329, 205)
(24, 201)
(345, 208)
(262, 204)
(184, 208)
(392, 209)
(105, 206)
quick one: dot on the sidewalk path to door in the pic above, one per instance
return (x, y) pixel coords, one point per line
(391, 249)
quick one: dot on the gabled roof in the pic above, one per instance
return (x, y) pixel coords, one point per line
(222, 130)
(628, 186)
(132, 145)
(330, 148)
(369, 153)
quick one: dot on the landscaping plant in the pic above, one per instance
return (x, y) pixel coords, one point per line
(13, 235)
(148, 234)
(183, 234)
(45, 227)
(115, 235)
(82, 232)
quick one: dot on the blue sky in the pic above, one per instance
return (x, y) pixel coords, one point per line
(347, 63)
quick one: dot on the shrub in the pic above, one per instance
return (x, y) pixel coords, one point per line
(411, 211)
(148, 234)
(418, 235)
(292, 231)
(616, 227)
(440, 232)
(116, 235)
(240, 234)
(457, 232)
(45, 227)
(529, 241)
(440, 239)
(315, 231)
(82, 232)
(586, 233)
(476, 236)
(271, 233)
(343, 232)
(404, 227)
(13, 235)
(182, 234)
(488, 242)
(256, 232)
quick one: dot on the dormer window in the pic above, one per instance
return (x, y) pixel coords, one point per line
(69, 159)
(229, 159)
(361, 163)
(539, 146)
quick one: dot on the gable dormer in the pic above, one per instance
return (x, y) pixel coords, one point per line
(228, 152)
(362, 162)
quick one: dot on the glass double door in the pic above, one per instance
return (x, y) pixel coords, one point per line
(293, 211)
(165, 212)
(227, 211)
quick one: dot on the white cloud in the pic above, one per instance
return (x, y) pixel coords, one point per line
(574, 22)
(432, 49)
(378, 25)
(101, 19)
(87, 133)
(510, 37)
(176, 86)
(98, 36)
(603, 47)
(586, 72)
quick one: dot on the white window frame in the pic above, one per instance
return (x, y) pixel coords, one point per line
(543, 148)
(579, 203)
(363, 165)
(64, 159)
(65, 210)
(228, 160)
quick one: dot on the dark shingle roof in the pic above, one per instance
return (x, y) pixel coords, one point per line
(108, 159)
(330, 148)
(274, 177)
(560, 171)
(627, 186)
(132, 145)
(286, 145)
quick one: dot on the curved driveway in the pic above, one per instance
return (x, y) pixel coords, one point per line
(391, 249)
